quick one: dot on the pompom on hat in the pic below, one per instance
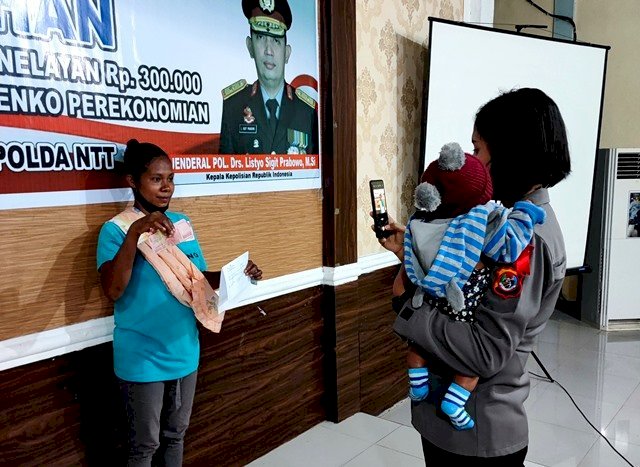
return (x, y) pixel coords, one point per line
(453, 184)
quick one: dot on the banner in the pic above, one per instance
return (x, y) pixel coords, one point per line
(79, 78)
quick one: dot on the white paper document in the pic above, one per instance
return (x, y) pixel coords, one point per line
(233, 283)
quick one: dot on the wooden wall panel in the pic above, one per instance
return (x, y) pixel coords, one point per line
(339, 181)
(282, 231)
(61, 411)
(260, 384)
(342, 353)
(48, 268)
(366, 361)
(262, 381)
(383, 371)
(338, 130)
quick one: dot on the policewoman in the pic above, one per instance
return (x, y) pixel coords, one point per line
(269, 116)
(520, 136)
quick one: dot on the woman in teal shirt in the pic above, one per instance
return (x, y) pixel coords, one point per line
(155, 339)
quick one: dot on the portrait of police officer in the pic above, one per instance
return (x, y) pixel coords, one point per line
(269, 116)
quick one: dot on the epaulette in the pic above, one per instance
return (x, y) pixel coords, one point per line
(306, 98)
(234, 88)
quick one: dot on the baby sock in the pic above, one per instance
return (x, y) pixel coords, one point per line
(453, 405)
(418, 383)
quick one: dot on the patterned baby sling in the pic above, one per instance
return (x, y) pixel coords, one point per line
(178, 273)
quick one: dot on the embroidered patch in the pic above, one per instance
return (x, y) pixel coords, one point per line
(233, 89)
(507, 283)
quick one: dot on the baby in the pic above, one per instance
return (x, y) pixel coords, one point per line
(454, 226)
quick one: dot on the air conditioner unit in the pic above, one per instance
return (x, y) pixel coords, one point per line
(620, 255)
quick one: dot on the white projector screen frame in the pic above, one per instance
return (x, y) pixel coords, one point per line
(470, 65)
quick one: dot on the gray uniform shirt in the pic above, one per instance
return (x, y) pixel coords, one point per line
(495, 347)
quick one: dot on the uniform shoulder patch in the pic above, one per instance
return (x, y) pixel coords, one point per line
(306, 98)
(507, 283)
(234, 88)
(508, 279)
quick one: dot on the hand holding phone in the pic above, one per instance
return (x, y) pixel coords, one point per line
(379, 208)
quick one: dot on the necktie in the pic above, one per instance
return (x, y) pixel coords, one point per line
(272, 106)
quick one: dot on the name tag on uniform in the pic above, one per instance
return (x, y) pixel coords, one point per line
(248, 129)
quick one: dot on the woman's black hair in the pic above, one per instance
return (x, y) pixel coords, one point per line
(138, 156)
(527, 141)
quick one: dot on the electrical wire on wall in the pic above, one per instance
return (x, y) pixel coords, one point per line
(560, 17)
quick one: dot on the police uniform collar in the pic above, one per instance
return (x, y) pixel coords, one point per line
(538, 197)
(277, 97)
(256, 86)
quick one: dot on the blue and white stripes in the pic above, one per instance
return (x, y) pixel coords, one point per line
(498, 232)
(511, 231)
(453, 405)
(418, 383)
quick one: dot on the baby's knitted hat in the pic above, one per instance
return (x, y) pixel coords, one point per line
(453, 184)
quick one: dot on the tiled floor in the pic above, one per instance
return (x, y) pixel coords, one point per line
(600, 370)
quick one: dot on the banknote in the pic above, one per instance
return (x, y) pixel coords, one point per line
(183, 232)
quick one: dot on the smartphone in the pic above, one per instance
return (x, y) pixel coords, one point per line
(379, 205)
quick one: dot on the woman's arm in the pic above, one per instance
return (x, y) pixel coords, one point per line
(401, 282)
(502, 319)
(394, 241)
(252, 270)
(115, 274)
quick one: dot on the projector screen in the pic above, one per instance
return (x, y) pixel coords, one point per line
(470, 65)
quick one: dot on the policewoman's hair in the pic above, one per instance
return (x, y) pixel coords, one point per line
(138, 156)
(527, 140)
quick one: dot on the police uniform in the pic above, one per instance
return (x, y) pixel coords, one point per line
(245, 126)
(511, 315)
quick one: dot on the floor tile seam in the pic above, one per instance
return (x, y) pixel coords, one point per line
(591, 446)
(398, 451)
(567, 360)
(367, 448)
(620, 409)
(593, 443)
(574, 393)
(592, 431)
(608, 448)
(619, 354)
(617, 374)
(365, 440)
(579, 416)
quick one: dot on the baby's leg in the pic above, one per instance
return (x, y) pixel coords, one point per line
(455, 399)
(418, 375)
(467, 382)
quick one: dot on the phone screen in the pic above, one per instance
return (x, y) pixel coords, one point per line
(379, 201)
(379, 204)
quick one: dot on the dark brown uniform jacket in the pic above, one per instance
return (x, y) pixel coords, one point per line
(297, 127)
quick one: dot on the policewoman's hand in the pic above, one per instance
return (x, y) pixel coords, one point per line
(394, 242)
